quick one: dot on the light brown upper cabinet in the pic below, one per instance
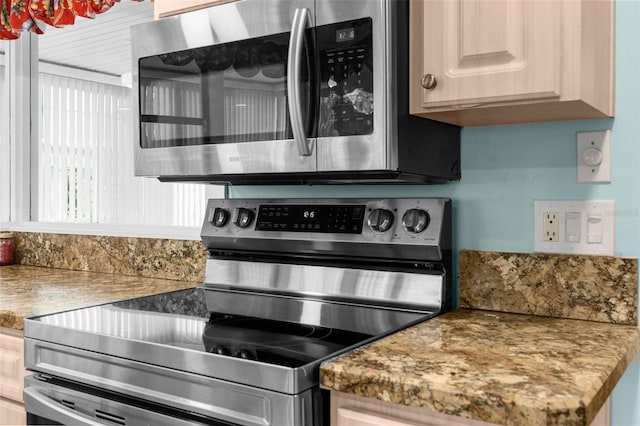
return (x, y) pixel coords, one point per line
(486, 62)
(164, 8)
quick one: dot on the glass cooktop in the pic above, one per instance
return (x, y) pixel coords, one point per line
(181, 319)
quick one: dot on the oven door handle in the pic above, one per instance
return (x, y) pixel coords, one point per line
(40, 404)
(294, 86)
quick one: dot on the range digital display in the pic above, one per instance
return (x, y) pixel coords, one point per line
(343, 219)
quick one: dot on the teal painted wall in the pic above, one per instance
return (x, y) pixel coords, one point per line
(506, 168)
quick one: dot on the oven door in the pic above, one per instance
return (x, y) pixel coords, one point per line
(66, 403)
(226, 90)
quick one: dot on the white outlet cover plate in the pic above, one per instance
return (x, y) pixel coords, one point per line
(600, 141)
(602, 209)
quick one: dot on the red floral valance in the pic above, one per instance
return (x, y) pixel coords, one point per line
(35, 15)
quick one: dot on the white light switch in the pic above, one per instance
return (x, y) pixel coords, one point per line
(572, 227)
(594, 229)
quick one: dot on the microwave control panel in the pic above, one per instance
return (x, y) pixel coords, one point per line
(346, 78)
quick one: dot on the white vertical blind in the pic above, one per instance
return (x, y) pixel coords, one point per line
(172, 98)
(255, 111)
(83, 143)
(85, 158)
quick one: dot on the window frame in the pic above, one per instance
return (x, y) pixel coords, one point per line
(17, 200)
(5, 151)
(22, 113)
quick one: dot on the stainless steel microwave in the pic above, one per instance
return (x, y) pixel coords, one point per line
(284, 91)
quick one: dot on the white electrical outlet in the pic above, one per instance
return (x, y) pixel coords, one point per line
(550, 226)
(575, 227)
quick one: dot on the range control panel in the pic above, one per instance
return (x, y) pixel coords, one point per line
(354, 219)
(389, 228)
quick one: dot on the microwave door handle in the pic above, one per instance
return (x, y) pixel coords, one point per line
(294, 86)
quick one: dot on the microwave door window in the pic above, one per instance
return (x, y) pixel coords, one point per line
(225, 93)
(170, 102)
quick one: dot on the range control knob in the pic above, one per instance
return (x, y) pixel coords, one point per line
(380, 220)
(415, 221)
(220, 350)
(244, 217)
(220, 217)
(245, 354)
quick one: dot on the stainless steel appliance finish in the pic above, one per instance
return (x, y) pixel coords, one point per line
(289, 284)
(284, 91)
(78, 406)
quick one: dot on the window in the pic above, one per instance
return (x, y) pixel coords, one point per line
(84, 146)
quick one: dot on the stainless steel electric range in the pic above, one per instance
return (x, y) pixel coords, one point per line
(289, 284)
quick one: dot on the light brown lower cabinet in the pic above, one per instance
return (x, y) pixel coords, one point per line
(12, 374)
(352, 410)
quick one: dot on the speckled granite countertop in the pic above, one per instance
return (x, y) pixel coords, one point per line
(565, 334)
(26, 290)
(496, 367)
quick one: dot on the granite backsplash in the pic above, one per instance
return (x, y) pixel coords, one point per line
(182, 260)
(596, 288)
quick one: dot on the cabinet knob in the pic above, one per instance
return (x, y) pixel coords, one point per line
(429, 81)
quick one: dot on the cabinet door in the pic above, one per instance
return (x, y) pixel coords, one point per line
(12, 370)
(603, 418)
(486, 51)
(354, 417)
(353, 410)
(164, 8)
(12, 413)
